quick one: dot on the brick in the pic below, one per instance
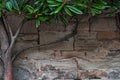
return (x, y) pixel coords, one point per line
(20, 45)
(73, 54)
(87, 45)
(84, 18)
(29, 27)
(103, 24)
(97, 55)
(70, 27)
(108, 35)
(86, 64)
(28, 37)
(52, 27)
(83, 26)
(85, 35)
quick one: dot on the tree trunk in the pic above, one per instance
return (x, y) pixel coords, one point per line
(3, 38)
(6, 53)
(8, 70)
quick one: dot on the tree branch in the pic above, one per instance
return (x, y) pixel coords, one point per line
(19, 28)
(3, 38)
(8, 26)
(65, 38)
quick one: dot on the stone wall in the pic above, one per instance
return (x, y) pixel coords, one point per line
(93, 53)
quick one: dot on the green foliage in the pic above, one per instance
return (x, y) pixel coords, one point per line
(45, 10)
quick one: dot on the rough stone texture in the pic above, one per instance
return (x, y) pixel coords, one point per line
(89, 55)
(45, 69)
(92, 74)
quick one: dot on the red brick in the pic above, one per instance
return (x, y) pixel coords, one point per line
(108, 35)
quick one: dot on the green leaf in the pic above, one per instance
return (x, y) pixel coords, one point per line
(54, 5)
(68, 11)
(99, 6)
(15, 4)
(29, 8)
(9, 6)
(37, 23)
(1, 6)
(51, 1)
(60, 0)
(42, 19)
(74, 9)
(57, 10)
(1, 1)
(21, 3)
(64, 20)
(30, 15)
(81, 5)
(95, 11)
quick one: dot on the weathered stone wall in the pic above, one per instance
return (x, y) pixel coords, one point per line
(91, 54)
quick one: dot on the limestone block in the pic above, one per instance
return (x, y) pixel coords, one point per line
(83, 26)
(29, 27)
(73, 54)
(20, 45)
(52, 27)
(103, 24)
(27, 37)
(48, 37)
(35, 53)
(87, 45)
(100, 54)
(85, 35)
